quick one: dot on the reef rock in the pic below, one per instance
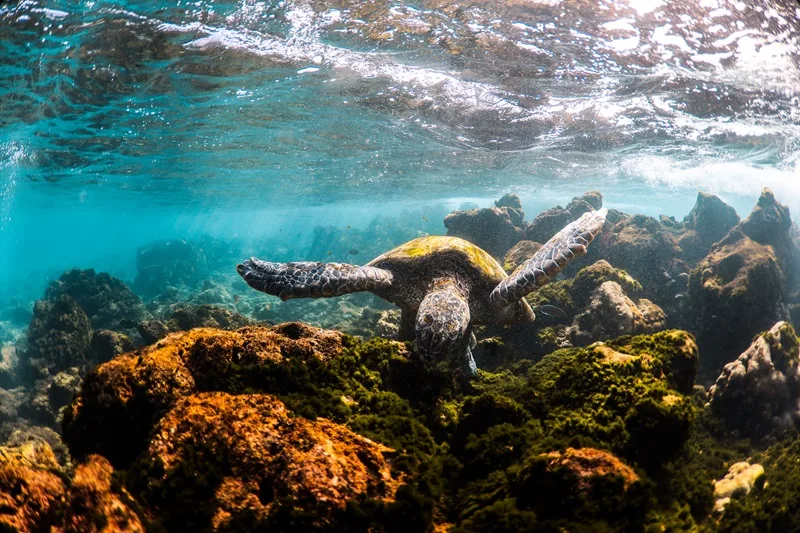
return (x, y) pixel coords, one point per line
(647, 250)
(738, 289)
(519, 253)
(33, 496)
(188, 316)
(550, 222)
(59, 335)
(254, 458)
(50, 395)
(107, 344)
(707, 223)
(600, 302)
(121, 400)
(9, 361)
(611, 313)
(739, 481)
(495, 229)
(758, 393)
(109, 303)
(173, 263)
(31, 491)
(569, 479)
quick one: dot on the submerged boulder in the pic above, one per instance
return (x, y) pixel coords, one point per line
(255, 459)
(758, 394)
(108, 301)
(611, 313)
(738, 289)
(494, 229)
(707, 223)
(34, 496)
(600, 302)
(549, 222)
(59, 336)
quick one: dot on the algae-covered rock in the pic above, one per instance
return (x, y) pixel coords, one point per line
(36, 496)
(586, 483)
(611, 313)
(249, 449)
(31, 489)
(519, 253)
(108, 301)
(549, 222)
(494, 229)
(708, 222)
(738, 289)
(107, 344)
(599, 302)
(757, 394)
(59, 335)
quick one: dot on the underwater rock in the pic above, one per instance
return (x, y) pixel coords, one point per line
(519, 253)
(59, 335)
(10, 402)
(171, 263)
(152, 331)
(187, 316)
(34, 497)
(548, 223)
(31, 489)
(584, 482)
(50, 395)
(9, 362)
(26, 434)
(707, 223)
(611, 313)
(738, 482)
(495, 229)
(96, 502)
(757, 395)
(255, 459)
(590, 314)
(107, 344)
(108, 301)
(647, 250)
(121, 400)
(738, 289)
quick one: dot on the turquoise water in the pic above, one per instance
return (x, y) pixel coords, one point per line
(122, 123)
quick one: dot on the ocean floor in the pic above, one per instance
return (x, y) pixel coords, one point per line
(665, 398)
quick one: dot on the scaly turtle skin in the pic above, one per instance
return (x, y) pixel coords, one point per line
(443, 285)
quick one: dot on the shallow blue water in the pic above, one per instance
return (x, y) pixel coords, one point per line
(126, 122)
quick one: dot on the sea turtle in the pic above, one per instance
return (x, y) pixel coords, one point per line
(442, 285)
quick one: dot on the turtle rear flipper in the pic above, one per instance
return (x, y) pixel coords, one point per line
(551, 258)
(311, 279)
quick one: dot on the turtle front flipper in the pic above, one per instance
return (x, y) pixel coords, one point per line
(311, 279)
(551, 258)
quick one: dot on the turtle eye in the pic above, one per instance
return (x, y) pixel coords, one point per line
(450, 326)
(427, 319)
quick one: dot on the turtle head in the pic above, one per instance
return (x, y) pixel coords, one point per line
(442, 322)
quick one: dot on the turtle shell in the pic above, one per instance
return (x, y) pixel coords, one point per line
(417, 264)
